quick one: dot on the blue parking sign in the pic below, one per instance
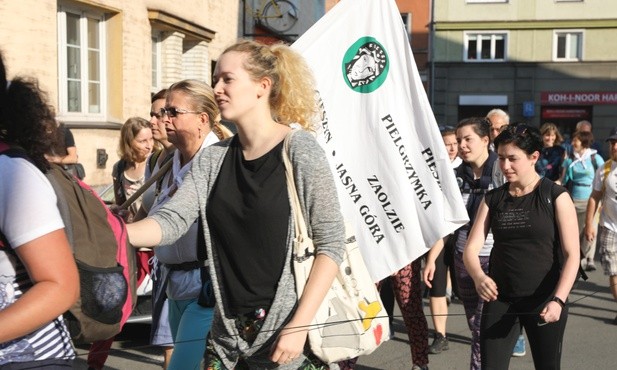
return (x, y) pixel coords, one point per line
(528, 109)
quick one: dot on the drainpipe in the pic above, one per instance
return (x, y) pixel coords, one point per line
(431, 37)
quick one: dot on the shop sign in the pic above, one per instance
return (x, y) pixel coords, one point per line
(578, 98)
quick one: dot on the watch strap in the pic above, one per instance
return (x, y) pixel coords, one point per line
(559, 300)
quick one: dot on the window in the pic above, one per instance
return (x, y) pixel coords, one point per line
(485, 47)
(156, 63)
(568, 46)
(81, 75)
(407, 23)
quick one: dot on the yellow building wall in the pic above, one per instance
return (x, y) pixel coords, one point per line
(29, 43)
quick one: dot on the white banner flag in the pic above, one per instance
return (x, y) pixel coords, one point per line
(394, 178)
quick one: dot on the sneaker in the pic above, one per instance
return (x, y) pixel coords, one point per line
(440, 344)
(590, 266)
(418, 367)
(519, 348)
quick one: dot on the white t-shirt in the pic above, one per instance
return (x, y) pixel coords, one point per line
(27, 202)
(27, 211)
(608, 215)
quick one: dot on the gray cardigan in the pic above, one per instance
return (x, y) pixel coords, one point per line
(320, 207)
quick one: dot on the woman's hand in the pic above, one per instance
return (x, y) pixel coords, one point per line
(123, 213)
(486, 288)
(428, 273)
(289, 344)
(551, 312)
(590, 233)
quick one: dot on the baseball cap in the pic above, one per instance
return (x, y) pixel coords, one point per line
(612, 135)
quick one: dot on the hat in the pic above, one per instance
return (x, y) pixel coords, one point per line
(612, 135)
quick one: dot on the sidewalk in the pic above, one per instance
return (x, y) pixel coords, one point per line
(590, 341)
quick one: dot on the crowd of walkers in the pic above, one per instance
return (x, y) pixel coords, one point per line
(224, 294)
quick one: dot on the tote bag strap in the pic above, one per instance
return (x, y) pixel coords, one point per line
(299, 223)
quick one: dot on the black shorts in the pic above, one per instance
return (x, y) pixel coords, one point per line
(442, 265)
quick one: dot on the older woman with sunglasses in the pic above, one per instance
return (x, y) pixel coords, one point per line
(533, 221)
(189, 116)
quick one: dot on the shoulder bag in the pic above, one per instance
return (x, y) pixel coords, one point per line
(351, 321)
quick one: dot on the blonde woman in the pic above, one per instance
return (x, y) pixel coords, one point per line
(238, 188)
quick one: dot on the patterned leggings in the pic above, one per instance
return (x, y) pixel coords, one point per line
(408, 292)
(473, 304)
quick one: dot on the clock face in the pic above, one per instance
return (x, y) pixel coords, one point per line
(279, 15)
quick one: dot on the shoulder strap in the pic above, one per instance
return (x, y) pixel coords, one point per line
(159, 182)
(118, 174)
(546, 192)
(594, 163)
(487, 171)
(606, 170)
(153, 159)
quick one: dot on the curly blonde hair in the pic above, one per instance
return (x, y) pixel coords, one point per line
(292, 97)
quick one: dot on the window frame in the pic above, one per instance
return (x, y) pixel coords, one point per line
(568, 32)
(407, 22)
(63, 109)
(486, 1)
(466, 39)
(157, 67)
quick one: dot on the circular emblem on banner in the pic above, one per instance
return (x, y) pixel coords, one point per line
(365, 65)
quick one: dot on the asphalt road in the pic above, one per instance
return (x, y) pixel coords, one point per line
(589, 343)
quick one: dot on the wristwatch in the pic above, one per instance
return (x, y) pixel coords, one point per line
(558, 300)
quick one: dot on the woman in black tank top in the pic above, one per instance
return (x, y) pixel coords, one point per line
(526, 277)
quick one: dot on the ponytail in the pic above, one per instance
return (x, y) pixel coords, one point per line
(292, 96)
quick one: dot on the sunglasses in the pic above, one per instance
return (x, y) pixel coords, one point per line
(172, 112)
(518, 130)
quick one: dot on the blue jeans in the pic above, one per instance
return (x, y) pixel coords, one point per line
(190, 324)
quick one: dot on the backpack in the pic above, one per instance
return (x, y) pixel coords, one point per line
(545, 188)
(105, 260)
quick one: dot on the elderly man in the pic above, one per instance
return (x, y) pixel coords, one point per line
(605, 191)
(498, 119)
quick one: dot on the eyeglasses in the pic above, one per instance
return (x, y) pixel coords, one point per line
(172, 112)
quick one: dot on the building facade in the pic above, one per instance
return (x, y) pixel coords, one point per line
(540, 60)
(416, 18)
(100, 60)
(271, 21)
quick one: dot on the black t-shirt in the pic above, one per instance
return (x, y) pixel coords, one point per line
(524, 260)
(248, 213)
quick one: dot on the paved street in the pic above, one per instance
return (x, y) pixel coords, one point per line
(590, 341)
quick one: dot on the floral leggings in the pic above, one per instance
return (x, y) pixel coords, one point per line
(407, 289)
(473, 304)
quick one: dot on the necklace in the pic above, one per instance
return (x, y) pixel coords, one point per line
(516, 192)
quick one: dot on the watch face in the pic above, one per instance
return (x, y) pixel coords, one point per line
(279, 15)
